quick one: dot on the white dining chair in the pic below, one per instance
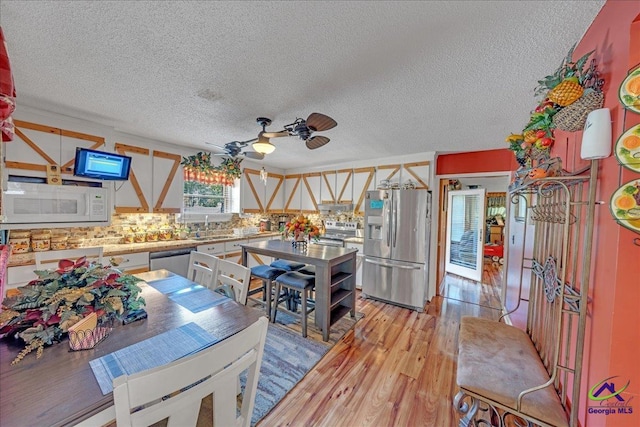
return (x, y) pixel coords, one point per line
(234, 277)
(175, 391)
(49, 259)
(202, 268)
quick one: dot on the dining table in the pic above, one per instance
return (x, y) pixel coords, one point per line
(335, 270)
(60, 388)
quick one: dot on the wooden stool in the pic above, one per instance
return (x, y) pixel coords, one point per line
(303, 283)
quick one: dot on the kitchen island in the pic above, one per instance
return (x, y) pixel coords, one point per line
(335, 276)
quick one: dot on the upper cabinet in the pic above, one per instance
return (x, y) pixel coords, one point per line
(310, 192)
(363, 181)
(328, 187)
(344, 186)
(260, 197)
(36, 146)
(292, 193)
(155, 182)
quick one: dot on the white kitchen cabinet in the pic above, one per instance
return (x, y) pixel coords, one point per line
(328, 187)
(310, 192)
(233, 250)
(19, 276)
(254, 260)
(168, 182)
(292, 193)
(129, 263)
(362, 182)
(359, 258)
(252, 191)
(274, 194)
(344, 186)
(155, 182)
(418, 172)
(216, 249)
(37, 146)
(258, 197)
(135, 195)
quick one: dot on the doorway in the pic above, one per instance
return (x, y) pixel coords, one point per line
(485, 287)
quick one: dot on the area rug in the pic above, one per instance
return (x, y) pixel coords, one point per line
(288, 357)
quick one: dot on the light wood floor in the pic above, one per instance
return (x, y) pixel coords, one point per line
(397, 367)
(459, 288)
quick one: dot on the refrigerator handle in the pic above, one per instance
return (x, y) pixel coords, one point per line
(395, 219)
(404, 267)
(388, 219)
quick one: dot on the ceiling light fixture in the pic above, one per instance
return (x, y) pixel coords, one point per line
(262, 145)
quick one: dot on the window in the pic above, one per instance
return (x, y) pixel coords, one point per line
(209, 198)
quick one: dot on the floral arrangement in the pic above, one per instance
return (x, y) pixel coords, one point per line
(300, 228)
(47, 307)
(569, 95)
(198, 168)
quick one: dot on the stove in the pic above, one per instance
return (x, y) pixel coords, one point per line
(336, 232)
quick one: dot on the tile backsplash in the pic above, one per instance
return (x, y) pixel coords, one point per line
(122, 224)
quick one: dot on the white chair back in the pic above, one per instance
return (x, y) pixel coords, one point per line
(202, 268)
(234, 276)
(188, 380)
(49, 259)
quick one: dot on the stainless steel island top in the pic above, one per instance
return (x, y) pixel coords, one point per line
(335, 276)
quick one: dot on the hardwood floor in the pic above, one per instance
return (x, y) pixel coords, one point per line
(461, 289)
(397, 367)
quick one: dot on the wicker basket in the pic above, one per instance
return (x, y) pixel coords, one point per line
(573, 117)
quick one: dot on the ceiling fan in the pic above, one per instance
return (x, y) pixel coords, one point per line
(303, 129)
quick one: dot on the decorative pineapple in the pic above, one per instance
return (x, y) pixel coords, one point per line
(567, 92)
(566, 85)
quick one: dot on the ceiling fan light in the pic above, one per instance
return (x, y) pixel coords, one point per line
(262, 145)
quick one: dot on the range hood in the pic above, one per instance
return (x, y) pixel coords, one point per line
(326, 208)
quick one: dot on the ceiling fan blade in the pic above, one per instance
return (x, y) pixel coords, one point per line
(316, 142)
(319, 122)
(253, 155)
(275, 134)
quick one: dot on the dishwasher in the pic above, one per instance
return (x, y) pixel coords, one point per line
(176, 260)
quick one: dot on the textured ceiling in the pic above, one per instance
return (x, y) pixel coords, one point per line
(398, 77)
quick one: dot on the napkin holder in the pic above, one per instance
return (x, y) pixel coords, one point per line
(87, 333)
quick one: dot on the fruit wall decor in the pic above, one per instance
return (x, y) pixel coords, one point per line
(568, 96)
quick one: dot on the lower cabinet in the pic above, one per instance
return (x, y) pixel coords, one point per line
(129, 263)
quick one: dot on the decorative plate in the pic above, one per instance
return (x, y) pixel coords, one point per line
(625, 205)
(629, 92)
(628, 149)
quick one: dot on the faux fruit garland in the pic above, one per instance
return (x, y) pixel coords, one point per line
(570, 93)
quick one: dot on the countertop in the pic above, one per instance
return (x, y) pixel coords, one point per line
(129, 248)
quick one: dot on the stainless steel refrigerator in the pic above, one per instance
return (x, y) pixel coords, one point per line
(396, 246)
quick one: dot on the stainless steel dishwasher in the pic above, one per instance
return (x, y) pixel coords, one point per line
(176, 260)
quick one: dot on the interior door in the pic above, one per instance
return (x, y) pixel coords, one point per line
(465, 233)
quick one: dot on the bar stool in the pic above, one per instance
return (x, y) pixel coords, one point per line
(303, 283)
(266, 274)
(283, 264)
(308, 269)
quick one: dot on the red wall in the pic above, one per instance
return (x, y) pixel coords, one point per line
(613, 342)
(612, 348)
(475, 162)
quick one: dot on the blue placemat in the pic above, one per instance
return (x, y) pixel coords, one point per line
(171, 284)
(197, 298)
(152, 352)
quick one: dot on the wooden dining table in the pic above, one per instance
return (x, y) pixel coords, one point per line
(60, 387)
(335, 294)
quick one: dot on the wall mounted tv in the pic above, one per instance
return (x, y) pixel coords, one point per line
(101, 165)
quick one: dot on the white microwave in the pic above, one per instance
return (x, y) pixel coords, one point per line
(28, 205)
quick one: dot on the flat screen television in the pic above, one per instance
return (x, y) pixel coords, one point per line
(101, 165)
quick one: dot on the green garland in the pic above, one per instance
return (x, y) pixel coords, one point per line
(202, 162)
